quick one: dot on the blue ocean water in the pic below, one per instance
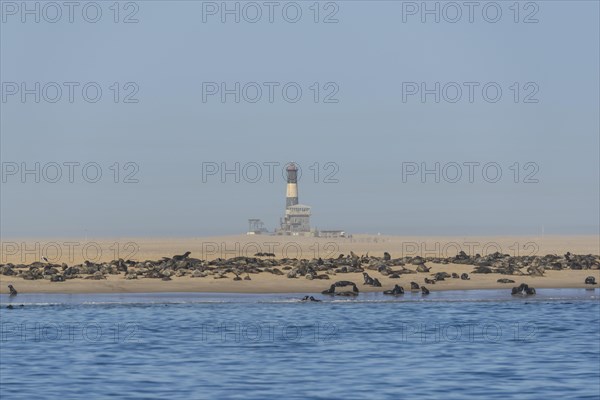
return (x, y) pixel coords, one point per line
(448, 345)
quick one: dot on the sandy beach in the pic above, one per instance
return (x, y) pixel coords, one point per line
(298, 247)
(267, 283)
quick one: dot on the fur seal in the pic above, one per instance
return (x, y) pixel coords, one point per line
(309, 298)
(590, 280)
(414, 286)
(387, 256)
(368, 279)
(376, 282)
(397, 290)
(344, 283)
(529, 291)
(523, 289)
(465, 277)
(347, 293)
(430, 281)
(13, 291)
(182, 257)
(455, 275)
(424, 290)
(331, 290)
(505, 280)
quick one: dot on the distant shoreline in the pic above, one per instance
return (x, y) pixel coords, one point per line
(266, 283)
(212, 266)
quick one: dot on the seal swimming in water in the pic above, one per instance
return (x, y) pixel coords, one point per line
(424, 290)
(414, 286)
(310, 298)
(523, 289)
(529, 291)
(13, 291)
(397, 290)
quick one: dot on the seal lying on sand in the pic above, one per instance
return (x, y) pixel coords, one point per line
(590, 280)
(182, 257)
(505, 280)
(13, 291)
(414, 286)
(465, 277)
(397, 290)
(346, 283)
(430, 281)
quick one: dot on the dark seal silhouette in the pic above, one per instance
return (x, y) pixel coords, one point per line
(590, 280)
(424, 290)
(397, 290)
(182, 257)
(523, 290)
(465, 277)
(310, 298)
(414, 286)
(505, 280)
(13, 291)
(332, 291)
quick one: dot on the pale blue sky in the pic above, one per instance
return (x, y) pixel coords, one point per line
(369, 133)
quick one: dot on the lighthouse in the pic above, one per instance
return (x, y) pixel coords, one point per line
(291, 198)
(296, 220)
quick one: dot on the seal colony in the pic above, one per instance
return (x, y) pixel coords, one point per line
(316, 268)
